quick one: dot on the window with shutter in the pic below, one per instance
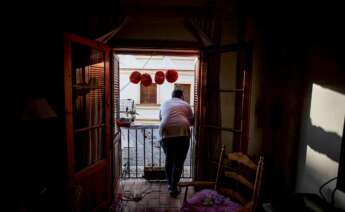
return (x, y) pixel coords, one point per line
(186, 91)
(148, 95)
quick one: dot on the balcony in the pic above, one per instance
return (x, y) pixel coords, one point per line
(141, 150)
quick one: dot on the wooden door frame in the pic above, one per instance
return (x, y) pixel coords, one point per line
(69, 132)
(244, 62)
(244, 51)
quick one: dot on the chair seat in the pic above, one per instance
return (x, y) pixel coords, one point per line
(209, 200)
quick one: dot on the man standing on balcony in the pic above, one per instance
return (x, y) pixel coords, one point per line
(176, 118)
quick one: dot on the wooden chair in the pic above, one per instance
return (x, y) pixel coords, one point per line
(238, 178)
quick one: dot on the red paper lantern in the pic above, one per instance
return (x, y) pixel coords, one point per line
(171, 76)
(135, 77)
(159, 77)
(146, 80)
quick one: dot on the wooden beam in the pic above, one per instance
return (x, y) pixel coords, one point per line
(167, 10)
(84, 41)
(105, 38)
(247, 98)
(160, 10)
(186, 52)
(153, 44)
(198, 33)
(68, 106)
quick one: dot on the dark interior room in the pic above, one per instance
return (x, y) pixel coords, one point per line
(270, 84)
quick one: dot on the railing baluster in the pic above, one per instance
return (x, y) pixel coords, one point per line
(160, 150)
(138, 161)
(136, 152)
(152, 147)
(191, 152)
(183, 171)
(128, 160)
(144, 149)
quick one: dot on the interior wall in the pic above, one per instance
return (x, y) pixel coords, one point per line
(278, 80)
(40, 153)
(322, 122)
(280, 83)
(298, 51)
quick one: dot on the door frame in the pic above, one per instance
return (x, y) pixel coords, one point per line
(154, 49)
(243, 84)
(242, 104)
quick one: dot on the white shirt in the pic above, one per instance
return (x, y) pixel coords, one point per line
(176, 118)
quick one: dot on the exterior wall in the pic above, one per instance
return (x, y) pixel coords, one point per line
(149, 113)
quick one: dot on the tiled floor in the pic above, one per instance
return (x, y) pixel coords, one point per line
(155, 196)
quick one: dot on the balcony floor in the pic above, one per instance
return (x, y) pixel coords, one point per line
(155, 196)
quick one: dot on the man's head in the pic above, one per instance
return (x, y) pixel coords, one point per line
(177, 94)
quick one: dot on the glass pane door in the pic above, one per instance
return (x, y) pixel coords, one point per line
(88, 74)
(87, 116)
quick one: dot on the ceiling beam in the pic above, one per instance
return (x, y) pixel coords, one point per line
(105, 38)
(153, 44)
(225, 8)
(198, 33)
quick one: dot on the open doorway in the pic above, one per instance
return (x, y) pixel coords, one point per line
(91, 68)
(142, 158)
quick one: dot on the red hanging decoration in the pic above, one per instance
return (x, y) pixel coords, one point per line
(146, 80)
(159, 77)
(171, 76)
(135, 77)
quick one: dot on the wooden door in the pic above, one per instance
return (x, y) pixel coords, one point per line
(224, 102)
(88, 121)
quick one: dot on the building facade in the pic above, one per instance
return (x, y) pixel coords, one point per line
(147, 100)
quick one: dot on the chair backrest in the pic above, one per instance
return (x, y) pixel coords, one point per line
(245, 177)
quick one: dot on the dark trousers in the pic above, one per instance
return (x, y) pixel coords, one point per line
(175, 149)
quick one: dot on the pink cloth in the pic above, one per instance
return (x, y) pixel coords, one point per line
(220, 203)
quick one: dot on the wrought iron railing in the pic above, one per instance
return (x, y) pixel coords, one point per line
(141, 148)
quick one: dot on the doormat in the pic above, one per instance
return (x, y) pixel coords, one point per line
(154, 173)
